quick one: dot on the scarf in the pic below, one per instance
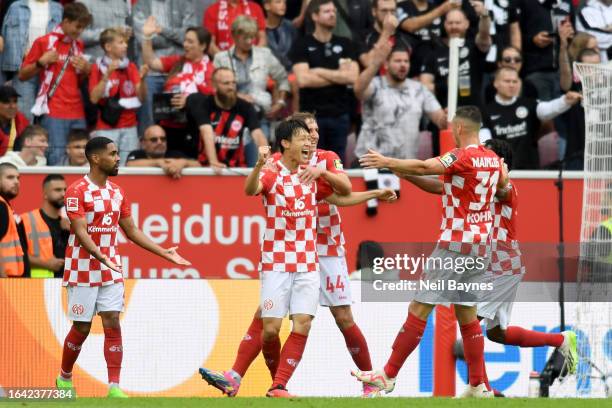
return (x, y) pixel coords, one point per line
(192, 75)
(223, 24)
(41, 105)
(114, 85)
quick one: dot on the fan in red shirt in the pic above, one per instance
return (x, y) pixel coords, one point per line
(116, 86)
(219, 17)
(472, 175)
(187, 74)
(12, 122)
(58, 59)
(97, 208)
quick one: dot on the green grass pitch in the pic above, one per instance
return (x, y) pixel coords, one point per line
(387, 402)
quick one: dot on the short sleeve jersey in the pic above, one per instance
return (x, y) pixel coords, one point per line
(102, 208)
(470, 182)
(289, 243)
(505, 252)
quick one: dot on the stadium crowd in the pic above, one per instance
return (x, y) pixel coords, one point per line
(187, 83)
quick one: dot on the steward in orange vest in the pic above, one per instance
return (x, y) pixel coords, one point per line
(11, 252)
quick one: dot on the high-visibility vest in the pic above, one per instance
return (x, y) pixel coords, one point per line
(11, 251)
(40, 243)
(608, 225)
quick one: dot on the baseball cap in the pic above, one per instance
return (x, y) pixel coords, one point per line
(7, 93)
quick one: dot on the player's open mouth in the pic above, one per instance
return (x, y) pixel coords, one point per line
(305, 154)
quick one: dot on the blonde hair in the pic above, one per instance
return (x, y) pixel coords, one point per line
(578, 44)
(244, 25)
(111, 34)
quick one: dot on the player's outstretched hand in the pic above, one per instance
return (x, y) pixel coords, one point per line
(107, 261)
(173, 256)
(373, 160)
(386, 194)
(310, 174)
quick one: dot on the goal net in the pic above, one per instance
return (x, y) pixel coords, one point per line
(593, 288)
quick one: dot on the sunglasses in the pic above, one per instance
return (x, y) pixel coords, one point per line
(157, 139)
(509, 60)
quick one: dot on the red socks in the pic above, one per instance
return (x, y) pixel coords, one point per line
(249, 348)
(113, 353)
(517, 336)
(290, 358)
(473, 349)
(72, 347)
(357, 347)
(272, 354)
(406, 341)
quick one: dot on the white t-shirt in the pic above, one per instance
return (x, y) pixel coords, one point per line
(15, 158)
(39, 19)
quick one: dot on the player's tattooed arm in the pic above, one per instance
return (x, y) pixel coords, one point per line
(374, 160)
(428, 184)
(253, 186)
(79, 225)
(139, 238)
(358, 197)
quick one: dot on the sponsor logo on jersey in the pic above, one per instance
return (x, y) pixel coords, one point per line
(338, 164)
(448, 159)
(72, 204)
(91, 229)
(511, 131)
(482, 216)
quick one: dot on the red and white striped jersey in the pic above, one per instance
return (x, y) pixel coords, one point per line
(289, 242)
(470, 183)
(505, 252)
(330, 238)
(102, 208)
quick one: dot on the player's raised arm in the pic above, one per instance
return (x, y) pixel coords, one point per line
(79, 226)
(339, 181)
(253, 186)
(358, 197)
(428, 184)
(139, 238)
(374, 160)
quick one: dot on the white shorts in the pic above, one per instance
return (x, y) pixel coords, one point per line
(292, 293)
(85, 301)
(335, 283)
(496, 307)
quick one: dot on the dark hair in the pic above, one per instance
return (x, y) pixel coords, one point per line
(95, 145)
(287, 129)
(77, 12)
(315, 5)
(366, 252)
(203, 38)
(469, 112)
(501, 148)
(33, 130)
(76, 134)
(399, 47)
(53, 177)
(375, 3)
(587, 52)
(500, 54)
(303, 116)
(5, 166)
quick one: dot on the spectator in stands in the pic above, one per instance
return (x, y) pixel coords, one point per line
(393, 106)
(58, 59)
(154, 153)
(505, 30)
(511, 57)
(219, 17)
(595, 18)
(46, 232)
(253, 66)
(12, 121)
(13, 258)
(108, 14)
(517, 119)
(75, 149)
(221, 121)
(188, 73)
(24, 22)
(423, 21)
(540, 64)
(325, 67)
(575, 45)
(383, 31)
(117, 88)
(434, 73)
(574, 153)
(353, 19)
(171, 18)
(35, 142)
(280, 32)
